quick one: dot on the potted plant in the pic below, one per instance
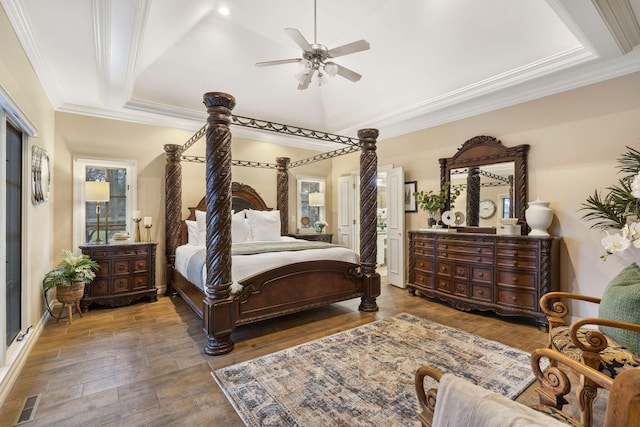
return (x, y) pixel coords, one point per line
(320, 225)
(70, 276)
(431, 202)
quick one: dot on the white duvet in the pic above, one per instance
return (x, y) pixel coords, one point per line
(243, 266)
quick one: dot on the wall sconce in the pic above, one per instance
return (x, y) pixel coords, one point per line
(98, 192)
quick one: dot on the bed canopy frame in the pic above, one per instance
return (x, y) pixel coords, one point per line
(220, 315)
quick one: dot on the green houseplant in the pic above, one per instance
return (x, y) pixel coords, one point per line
(70, 275)
(432, 202)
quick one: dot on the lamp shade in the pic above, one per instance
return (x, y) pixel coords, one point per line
(95, 191)
(316, 199)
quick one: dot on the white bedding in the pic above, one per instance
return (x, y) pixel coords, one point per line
(243, 266)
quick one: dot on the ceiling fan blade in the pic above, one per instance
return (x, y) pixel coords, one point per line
(348, 48)
(305, 84)
(278, 62)
(299, 39)
(347, 73)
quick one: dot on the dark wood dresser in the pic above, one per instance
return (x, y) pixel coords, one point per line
(504, 274)
(314, 237)
(127, 273)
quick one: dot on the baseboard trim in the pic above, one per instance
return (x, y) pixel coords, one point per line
(15, 363)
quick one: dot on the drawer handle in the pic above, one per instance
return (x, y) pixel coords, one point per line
(481, 274)
(140, 264)
(421, 264)
(481, 292)
(514, 279)
(445, 246)
(443, 285)
(515, 262)
(444, 254)
(140, 281)
(479, 250)
(515, 252)
(443, 269)
(421, 280)
(121, 284)
(121, 267)
(514, 298)
(479, 259)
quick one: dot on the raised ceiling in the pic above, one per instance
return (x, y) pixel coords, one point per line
(430, 62)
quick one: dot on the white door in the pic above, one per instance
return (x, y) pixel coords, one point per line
(345, 211)
(395, 227)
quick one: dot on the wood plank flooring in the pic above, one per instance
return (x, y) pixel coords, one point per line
(144, 365)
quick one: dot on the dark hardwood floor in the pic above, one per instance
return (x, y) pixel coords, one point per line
(144, 364)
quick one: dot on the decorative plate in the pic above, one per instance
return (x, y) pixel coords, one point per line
(305, 221)
(459, 218)
(448, 218)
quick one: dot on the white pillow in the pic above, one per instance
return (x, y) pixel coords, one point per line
(192, 232)
(265, 225)
(201, 219)
(240, 230)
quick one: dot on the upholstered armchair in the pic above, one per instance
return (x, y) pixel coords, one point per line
(456, 401)
(609, 349)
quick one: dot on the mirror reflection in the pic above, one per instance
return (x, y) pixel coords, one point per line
(494, 185)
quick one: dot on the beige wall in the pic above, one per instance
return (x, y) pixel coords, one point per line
(20, 83)
(575, 139)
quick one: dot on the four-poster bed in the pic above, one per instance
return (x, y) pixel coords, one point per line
(282, 290)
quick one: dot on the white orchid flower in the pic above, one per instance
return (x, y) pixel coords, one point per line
(615, 243)
(635, 186)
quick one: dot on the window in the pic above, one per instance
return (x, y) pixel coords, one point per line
(115, 214)
(311, 201)
(505, 206)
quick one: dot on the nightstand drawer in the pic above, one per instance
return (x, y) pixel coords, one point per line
(140, 281)
(121, 266)
(121, 284)
(139, 265)
(97, 287)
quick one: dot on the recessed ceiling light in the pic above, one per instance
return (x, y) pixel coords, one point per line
(224, 11)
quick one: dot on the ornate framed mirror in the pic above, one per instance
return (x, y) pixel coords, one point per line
(492, 180)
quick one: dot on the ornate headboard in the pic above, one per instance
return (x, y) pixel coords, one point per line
(242, 197)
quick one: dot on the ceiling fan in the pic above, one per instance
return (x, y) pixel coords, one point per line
(315, 57)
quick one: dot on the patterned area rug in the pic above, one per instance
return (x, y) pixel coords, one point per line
(365, 376)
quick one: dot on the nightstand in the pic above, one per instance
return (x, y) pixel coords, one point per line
(314, 237)
(127, 273)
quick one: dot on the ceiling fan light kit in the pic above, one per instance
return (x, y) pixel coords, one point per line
(315, 56)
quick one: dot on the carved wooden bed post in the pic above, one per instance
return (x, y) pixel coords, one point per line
(218, 316)
(282, 203)
(173, 208)
(368, 213)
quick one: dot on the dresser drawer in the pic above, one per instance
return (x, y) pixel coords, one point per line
(482, 274)
(516, 278)
(515, 298)
(465, 248)
(103, 271)
(443, 285)
(98, 287)
(121, 266)
(466, 257)
(461, 289)
(461, 271)
(424, 264)
(423, 280)
(445, 268)
(479, 292)
(528, 263)
(121, 284)
(516, 251)
(140, 265)
(140, 281)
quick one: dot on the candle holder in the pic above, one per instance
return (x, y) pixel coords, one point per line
(148, 227)
(137, 232)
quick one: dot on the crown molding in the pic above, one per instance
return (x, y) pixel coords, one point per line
(621, 21)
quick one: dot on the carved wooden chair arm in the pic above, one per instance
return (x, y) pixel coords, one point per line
(550, 378)
(594, 340)
(559, 309)
(427, 399)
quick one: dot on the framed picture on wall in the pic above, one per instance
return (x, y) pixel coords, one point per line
(410, 204)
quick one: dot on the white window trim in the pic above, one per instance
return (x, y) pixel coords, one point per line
(79, 172)
(323, 185)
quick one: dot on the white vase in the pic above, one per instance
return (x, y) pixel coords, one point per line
(539, 216)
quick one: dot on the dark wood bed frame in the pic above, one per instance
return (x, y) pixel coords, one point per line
(284, 290)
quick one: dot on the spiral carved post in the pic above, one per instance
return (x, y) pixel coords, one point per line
(173, 209)
(473, 196)
(283, 193)
(368, 211)
(219, 316)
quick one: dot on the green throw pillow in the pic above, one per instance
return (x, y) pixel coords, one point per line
(621, 301)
